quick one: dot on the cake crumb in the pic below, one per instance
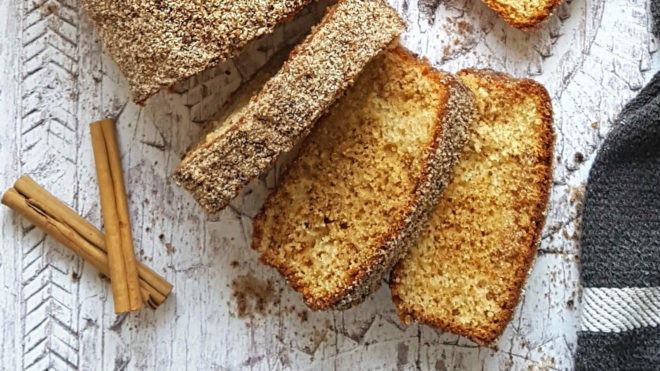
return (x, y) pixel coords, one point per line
(48, 8)
(577, 200)
(464, 28)
(253, 296)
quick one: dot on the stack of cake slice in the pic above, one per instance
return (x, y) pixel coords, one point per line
(383, 135)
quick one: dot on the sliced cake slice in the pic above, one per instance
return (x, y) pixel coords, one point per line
(157, 44)
(523, 14)
(283, 112)
(364, 181)
(466, 273)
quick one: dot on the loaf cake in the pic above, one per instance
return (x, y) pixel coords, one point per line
(467, 271)
(523, 14)
(157, 44)
(283, 112)
(365, 181)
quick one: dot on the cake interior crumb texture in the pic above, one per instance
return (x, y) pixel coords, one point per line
(288, 105)
(361, 175)
(159, 43)
(523, 14)
(467, 272)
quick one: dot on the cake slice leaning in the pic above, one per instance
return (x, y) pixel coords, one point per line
(466, 273)
(364, 181)
(283, 112)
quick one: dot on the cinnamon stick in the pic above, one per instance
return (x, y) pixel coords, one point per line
(49, 214)
(118, 237)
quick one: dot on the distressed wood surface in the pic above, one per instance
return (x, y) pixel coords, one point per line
(228, 311)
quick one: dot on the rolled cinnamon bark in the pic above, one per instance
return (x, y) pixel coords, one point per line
(115, 215)
(46, 212)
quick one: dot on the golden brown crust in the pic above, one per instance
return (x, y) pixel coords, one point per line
(488, 334)
(448, 138)
(522, 21)
(284, 111)
(157, 44)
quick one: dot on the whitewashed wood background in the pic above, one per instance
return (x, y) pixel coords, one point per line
(55, 310)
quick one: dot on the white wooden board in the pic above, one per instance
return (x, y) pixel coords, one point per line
(55, 310)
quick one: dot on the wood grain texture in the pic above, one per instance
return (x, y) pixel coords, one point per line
(592, 55)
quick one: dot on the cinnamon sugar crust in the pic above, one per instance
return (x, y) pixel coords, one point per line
(316, 74)
(159, 43)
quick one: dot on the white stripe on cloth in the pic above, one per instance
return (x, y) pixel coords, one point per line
(607, 309)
